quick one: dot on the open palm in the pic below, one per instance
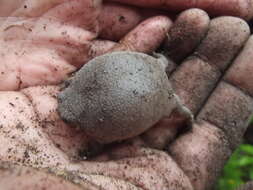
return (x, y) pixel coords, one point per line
(42, 43)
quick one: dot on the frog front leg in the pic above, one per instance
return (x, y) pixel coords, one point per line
(178, 118)
(184, 112)
(166, 62)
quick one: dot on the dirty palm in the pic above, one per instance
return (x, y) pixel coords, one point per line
(120, 95)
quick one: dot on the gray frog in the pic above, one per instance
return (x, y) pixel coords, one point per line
(119, 95)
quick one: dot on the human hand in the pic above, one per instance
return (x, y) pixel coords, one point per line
(43, 43)
(39, 138)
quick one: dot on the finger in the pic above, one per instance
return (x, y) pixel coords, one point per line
(153, 170)
(21, 134)
(73, 23)
(222, 121)
(241, 78)
(58, 22)
(31, 8)
(116, 20)
(25, 178)
(7, 7)
(185, 34)
(45, 50)
(197, 76)
(201, 154)
(240, 8)
(229, 109)
(151, 12)
(146, 37)
(99, 47)
(240, 73)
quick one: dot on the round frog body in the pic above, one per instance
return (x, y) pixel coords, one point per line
(119, 95)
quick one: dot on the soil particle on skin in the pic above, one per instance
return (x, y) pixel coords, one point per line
(122, 19)
(13, 105)
(20, 126)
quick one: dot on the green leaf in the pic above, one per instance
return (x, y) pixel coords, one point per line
(247, 149)
(245, 161)
(238, 169)
(251, 174)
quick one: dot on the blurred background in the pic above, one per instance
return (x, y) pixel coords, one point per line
(239, 168)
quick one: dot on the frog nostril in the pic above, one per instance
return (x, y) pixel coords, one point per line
(59, 98)
(62, 97)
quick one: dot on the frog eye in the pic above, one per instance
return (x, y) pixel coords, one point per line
(67, 83)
